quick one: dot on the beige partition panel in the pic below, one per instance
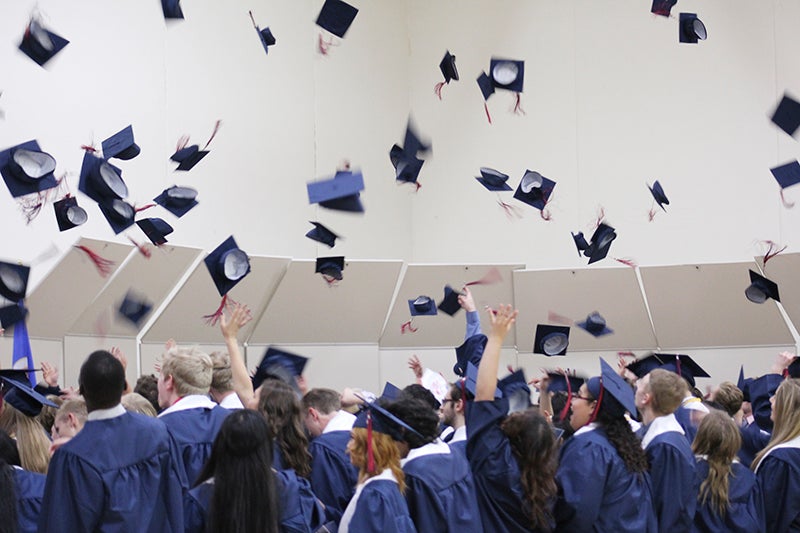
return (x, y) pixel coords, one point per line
(784, 269)
(153, 279)
(73, 284)
(442, 330)
(182, 319)
(613, 292)
(697, 306)
(305, 310)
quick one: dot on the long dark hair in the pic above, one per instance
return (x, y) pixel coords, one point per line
(283, 411)
(534, 446)
(245, 494)
(611, 418)
(8, 503)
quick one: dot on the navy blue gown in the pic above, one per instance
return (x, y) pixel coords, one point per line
(379, 507)
(672, 472)
(779, 477)
(333, 476)
(745, 512)
(29, 487)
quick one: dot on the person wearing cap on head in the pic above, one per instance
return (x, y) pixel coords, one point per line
(603, 478)
(440, 490)
(729, 497)
(21, 405)
(333, 477)
(121, 472)
(378, 505)
(504, 449)
(221, 390)
(672, 465)
(191, 417)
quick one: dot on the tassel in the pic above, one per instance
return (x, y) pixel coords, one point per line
(518, 105)
(213, 319)
(324, 46)
(651, 215)
(593, 417)
(143, 248)
(104, 266)
(601, 215)
(786, 203)
(552, 316)
(143, 208)
(217, 125)
(438, 89)
(770, 254)
(370, 451)
(545, 214)
(407, 327)
(486, 108)
(510, 210)
(625, 261)
(89, 148)
(183, 141)
(565, 411)
(490, 278)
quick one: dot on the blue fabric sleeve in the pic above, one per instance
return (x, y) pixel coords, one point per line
(473, 324)
(780, 487)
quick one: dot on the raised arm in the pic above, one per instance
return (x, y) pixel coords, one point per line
(501, 321)
(230, 330)
(473, 318)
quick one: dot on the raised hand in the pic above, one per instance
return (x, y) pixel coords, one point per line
(416, 366)
(465, 300)
(49, 374)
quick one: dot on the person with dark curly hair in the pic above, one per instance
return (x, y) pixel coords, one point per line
(279, 403)
(603, 478)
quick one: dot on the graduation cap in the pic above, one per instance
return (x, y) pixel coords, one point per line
(40, 44)
(422, 305)
(787, 174)
(188, 157)
(662, 7)
(493, 180)
(21, 396)
(794, 368)
(600, 244)
(761, 288)
(27, 170)
(551, 340)
(100, 180)
(641, 367)
(121, 145)
(448, 67)
(69, 214)
(691, 28)
(404, 159)
(228, 265)
(486, 85)
(470, 352)
(611, 383)
(743, 384)
(155, 229)
(658, 194)
(449, 303)
(471, 381)
(787, 115)
(119, 214)
(391, 391)
(177, 200)
(11, 314)
(134, 308)
(330, 267)
(265, 35)
(279, 364)
(684, 366)
(172, 9)
(322, 234)
(534, 189)
(13, 281)
(580, 242)
(595, 324)
(507, 74)
(558, 382)
(340, 192)
(515, 387)
(336, 17)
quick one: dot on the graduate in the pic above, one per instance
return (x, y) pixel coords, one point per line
(378, 505)
(279, 404)
(777, 466)
(603, 478)
(512, 457)
(729, 498)
(28, 487)
(440, 490)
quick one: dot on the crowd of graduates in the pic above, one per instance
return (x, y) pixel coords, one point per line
(206, 447)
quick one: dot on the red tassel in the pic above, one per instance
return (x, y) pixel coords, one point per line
(518, 105)
(601, 215)
(104, 266)
(213, 319)
(490, 278)
(183, 141)
(217, 125)
(486, 108)
(88, 148)
(786, 203)
(330, 280)
(770, 254)
(370, 451)
(510, 210)
(545, 214)
(593, 417)
(324, 46)
(407, 327)
(438, 89)
(143, 208)
(143, 248)
(563, 414)
(627, 262)
(552, 316)
(651, 214)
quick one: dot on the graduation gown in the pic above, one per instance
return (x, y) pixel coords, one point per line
(333, 476)
(117, 474)
(300, 512)
(672, 472)
(754, 439)
(440, 491)
(596, 491)
(501, 499)
(745, 512)
(377, 507)
(29, 487)
(779, 477)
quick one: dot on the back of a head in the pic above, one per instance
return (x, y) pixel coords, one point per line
(147, 386)
(47, 415)
(191, 370)
(419, 392)
(101, 380)
(419, 416)
(281, 407)
(786, 411)
(76, 407)
(717, 437)
(667, 390)
(136, 403)
(8, 449)
(729, 397)
(326, 401)
(222, 376)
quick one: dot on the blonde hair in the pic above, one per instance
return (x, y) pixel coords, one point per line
(32, 441)
(730, 397)
(134, 402)
(222, 376)
(786, 414)
(190, 368)
(385, 452)
(667, 390)
(719, 440)
(77, 407)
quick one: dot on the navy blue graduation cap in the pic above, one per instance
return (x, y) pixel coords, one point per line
(580, 242)
(611, 383)
(119, 214)
(177, 200)
(658, 194)
(407, 168)
(471, 381)
(662, 7)
(22, 397)
(134, 307)
(743, 384)
(391, 391)
(486, 85)
(13, 281)
(155, 229)
(340, 192)
(448, 67)
(228, 265)
(600, 244)
(794, 368)
(69, 214)
(336, 17)
(188, 157)
(470, 351)
(515, 387)
(330, 267)
(322, 234)
(27, 170)
(684, 366)
(507, 74)
(641, 367)
(761, 288)
(493, 180)
(558, 382)
(787, 174)
(265, 35)
(121, 145)
(100, 180)
(279, 364)
(11, 314)
(551, 340)
(40, 44)
(787, 115)
(172, 9)
(449, 303)
(691, 28)
(595, 324)
(534, 189)
(422, 305)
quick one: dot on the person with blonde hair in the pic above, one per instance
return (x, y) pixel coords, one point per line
(777, 466)
(21, 406)
(729, 498)
(133, 402)
(222, 382)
